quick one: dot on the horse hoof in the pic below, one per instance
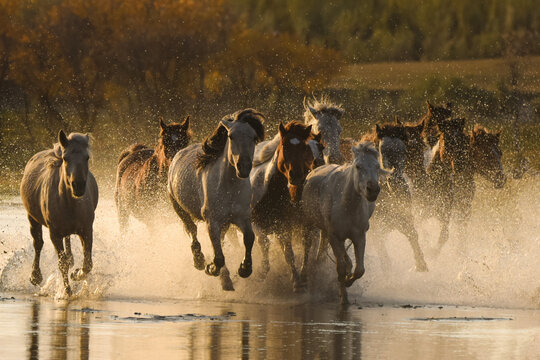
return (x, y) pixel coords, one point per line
(422, 267)
(36, 278)
(300, 288)
(198, 261)
(227, 285)
(349, 280)
(212, 270)
(78, 275)
(245, 270)
(68, 291)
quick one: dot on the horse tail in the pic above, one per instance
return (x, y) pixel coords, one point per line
(129, 150)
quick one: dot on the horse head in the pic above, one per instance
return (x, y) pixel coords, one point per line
(295, 157)
(486, 155)
(75, 154)
(324, 116)
(434, 115)
(174, 137)
(366, 170)
(454, 144)
(244, 130)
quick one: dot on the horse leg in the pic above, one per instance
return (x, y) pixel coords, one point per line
(37, 234)
(69, 254)
(123, 217)
(338, 247)
(62, 260)
(307, 236)
(86, 241)
(246, 268)
(225, 275)
(286, 246)
(407, 228)
(214, 231)
(359, 243)
(191, 229)
(264, 243)
(323, 246)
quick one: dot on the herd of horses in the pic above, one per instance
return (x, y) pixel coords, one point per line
(306, 182)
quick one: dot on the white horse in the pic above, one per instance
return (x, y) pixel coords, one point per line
(324, 117)
(211, 183)
(59, 192)
(339, 200)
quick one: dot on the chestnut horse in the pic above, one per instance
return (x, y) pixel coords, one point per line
(456, 158)
(141, 176)
(277, 180)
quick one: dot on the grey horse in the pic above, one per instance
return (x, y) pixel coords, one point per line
(59, 192)
(210, 182)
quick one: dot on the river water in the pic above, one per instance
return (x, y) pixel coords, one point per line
(144, 299)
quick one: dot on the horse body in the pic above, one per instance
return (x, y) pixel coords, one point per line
(59, 192)
(339, 200)
(394, 203)
(211, 183)
(142, 175)
(456, 158)
(277, 183)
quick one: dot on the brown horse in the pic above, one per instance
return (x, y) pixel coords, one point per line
(393, 210)
(434, 115)
(456, 158)
(277, 181)
(141, 176)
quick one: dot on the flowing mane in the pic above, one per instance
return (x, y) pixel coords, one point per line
(324, 104)
(214, 145)
(267, 151)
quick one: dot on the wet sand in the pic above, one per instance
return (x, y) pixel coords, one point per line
(41, 328)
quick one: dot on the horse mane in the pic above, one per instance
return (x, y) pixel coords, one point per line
(367, 147)
(267, 151)
(213, 145)
(324, 104)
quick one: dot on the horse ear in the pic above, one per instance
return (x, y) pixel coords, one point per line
(397, 121)
(355, 150)
(87, 135)
(62, 139)
(429, 106)
(378, 131)
(312, 110)
(282, 130)
(307, 131)
(226, 124)
(162, 124)
(317, 137)
(498, 134)
(185, 124)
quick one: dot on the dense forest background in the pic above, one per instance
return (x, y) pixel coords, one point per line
(114, 67)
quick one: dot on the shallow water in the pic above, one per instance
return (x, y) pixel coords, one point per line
(40, 328)
(480, 299)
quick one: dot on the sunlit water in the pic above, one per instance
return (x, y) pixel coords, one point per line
(494, 280)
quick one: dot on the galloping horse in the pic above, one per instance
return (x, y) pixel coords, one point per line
(456, 158)
(141, 177)
(324, 116)
(210, 182)
(59, 192)
(394, 203)
(277, 180)
(339, 200)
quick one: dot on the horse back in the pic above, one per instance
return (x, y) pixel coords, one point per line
(184, 180)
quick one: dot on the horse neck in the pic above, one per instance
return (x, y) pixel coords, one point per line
(349, 190)
(63, 185)
(161, 158)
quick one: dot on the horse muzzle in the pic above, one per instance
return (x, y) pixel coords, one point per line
(243, 169)
(372, 191)
(79, 188)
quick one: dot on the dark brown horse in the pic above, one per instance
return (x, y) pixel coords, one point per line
(456, 158)
(434, 115)
(277, 181)
(141, 176)
(393, 210)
